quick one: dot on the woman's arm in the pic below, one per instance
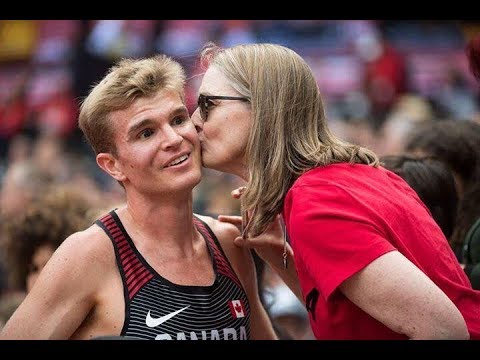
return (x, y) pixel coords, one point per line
(394, 291)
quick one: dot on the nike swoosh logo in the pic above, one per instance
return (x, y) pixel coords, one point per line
(151, 322)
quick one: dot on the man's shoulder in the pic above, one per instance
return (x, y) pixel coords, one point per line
(91, 244)
(91, 235)
(222, 230)
(225, 233)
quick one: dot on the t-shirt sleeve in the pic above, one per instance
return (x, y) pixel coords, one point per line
(333, 234)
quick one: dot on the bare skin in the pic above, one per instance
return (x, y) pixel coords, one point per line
(79, 294)
(425, 314)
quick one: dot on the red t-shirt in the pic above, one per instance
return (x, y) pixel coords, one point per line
(339, 219)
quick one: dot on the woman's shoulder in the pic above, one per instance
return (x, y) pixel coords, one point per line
(330, 174)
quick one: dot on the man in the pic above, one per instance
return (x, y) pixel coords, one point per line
(170, 274)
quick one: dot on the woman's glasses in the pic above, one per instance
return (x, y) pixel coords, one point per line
(205, 101)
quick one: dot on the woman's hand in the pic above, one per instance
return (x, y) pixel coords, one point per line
(270, 246)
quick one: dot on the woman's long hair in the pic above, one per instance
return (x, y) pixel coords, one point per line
(289, 133)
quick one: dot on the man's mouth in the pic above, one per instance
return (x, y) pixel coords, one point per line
(178, 160)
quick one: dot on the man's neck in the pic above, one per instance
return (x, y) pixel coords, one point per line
(157, 220)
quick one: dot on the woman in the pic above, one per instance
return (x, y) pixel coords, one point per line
(371, 261)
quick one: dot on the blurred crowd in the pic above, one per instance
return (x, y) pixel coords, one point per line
(401, 88)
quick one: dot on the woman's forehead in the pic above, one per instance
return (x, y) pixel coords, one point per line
(214, 81)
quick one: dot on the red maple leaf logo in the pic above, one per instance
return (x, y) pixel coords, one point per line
(237, 308)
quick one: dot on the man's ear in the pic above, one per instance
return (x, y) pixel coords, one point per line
(109, 164)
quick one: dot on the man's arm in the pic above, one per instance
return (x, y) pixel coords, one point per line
(62, 296)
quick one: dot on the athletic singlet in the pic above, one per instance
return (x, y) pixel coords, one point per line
(156, 308)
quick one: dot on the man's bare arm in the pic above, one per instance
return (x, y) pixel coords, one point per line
(62, 296)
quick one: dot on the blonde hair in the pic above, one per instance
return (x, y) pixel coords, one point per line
(125, 82)
(289, 133)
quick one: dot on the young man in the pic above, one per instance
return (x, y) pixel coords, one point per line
(169, 274)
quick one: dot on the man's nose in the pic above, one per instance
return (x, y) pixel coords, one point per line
(171, 139)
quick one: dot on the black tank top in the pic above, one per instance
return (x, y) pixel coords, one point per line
(156, 308)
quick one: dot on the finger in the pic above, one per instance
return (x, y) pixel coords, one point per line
(237, 193)
(240, 242)
(232, 219)
(249, 243)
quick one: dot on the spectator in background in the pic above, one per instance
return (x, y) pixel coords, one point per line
(45, 152)
(473, 56)
(385, 75)
(471, 254)
(457, 144)
(287, 312)
(433, 182)
(407, 112)
(371, 261)
(454, 99)
(234, 32)
(22, 182)
(183, 38)
(471, 244)
(13, 114)
(19, 149)
(31, 238)
(118, 277)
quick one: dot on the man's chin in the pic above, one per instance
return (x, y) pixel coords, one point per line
(206, 163)
(209, 165)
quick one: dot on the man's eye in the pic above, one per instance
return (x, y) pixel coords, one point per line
(179, 120)
(146, 133)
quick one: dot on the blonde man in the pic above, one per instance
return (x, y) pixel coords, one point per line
(371, 261)
(150, 269)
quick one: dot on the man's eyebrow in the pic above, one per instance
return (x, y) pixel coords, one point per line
(134, 128)
(181, 110)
